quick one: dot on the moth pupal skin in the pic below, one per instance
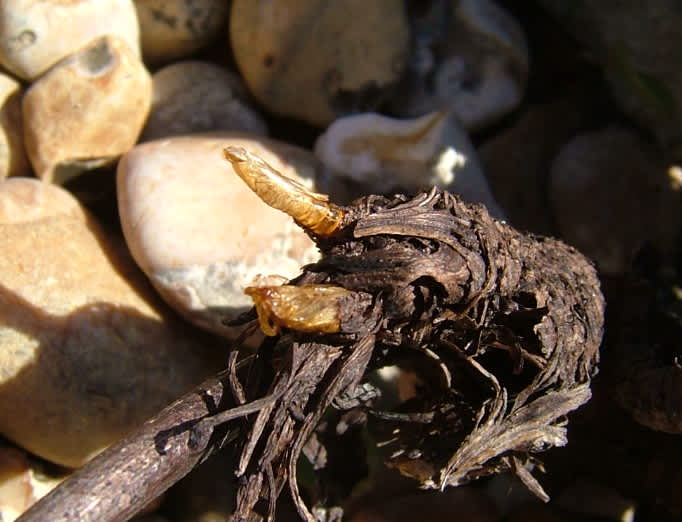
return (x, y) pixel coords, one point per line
(307, 308)
(310, 210)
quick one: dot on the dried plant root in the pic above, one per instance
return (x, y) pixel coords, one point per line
(501, 328)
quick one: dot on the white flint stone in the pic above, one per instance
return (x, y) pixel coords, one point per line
(36, 34)
(172, 29)
(386, 154)
(193, 96)
(480, 70)
(88, 352)
(87, 110)
(198, 231)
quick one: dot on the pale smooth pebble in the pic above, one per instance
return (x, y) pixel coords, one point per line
(88, 351)
(86, 111)
(315, 60)
(194, 96)
(198, 232)
(36, 34)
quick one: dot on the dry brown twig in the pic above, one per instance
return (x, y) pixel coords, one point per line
(504, 329)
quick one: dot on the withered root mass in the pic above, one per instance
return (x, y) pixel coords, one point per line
(501, 328)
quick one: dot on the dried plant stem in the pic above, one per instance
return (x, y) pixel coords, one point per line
(130, 474)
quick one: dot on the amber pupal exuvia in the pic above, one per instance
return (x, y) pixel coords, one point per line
(307, 308)
(310, 210)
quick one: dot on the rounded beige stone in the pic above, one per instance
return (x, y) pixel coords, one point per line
(24, 200)
(193, 96)
(315, 60)
(86, 111)
(87, 351)
(198, 231)
(172, 29)
(13, 160)
(36, 34)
